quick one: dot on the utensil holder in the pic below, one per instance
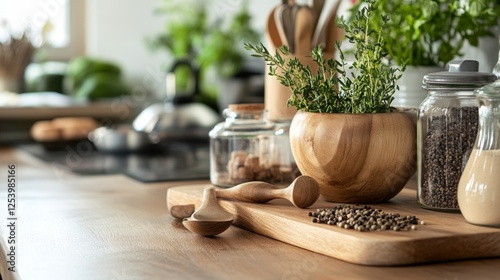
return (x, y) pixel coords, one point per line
(276, 94)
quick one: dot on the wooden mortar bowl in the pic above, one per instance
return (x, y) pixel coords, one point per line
(356, 158)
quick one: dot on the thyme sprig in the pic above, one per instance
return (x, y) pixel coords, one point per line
(365, 86)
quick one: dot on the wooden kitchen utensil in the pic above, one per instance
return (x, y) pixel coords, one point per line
(322, 30)
(304, 30)
(272, 33)
(182, 211)
(444, 237)
(285, 24)
(334, 32)
(317, 8)
(302, 192)
(210, 219)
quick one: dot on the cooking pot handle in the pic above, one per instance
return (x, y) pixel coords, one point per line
(171, 90)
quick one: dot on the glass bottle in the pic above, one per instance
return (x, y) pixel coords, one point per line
(479, 187)
(496, 69)
(446, 131)
(247, 147)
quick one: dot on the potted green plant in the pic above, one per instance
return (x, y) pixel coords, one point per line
(430, 33)
(346, 134)
(209, 43)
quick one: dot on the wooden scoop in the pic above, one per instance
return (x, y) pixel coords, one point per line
(302, 192)
(210, 219)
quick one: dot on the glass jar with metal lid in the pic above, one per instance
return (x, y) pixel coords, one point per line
(446, 131)
(247, 147)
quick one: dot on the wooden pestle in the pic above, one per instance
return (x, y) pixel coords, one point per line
(302, 192)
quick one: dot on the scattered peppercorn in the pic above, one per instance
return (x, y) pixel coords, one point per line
(364, 218)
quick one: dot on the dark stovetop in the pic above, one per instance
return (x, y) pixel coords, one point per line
(172, 162)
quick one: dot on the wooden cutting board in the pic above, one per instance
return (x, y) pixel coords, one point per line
(444, 237)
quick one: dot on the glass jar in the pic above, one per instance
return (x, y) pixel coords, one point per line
(479, 187)
(446, 131)
(246, 147)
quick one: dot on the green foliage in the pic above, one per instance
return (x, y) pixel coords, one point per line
(189, 33)
(102, 85)
(94, 78)
(223, 47)
(433, 32)
(366, 86)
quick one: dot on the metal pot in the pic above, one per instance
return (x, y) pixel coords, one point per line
(179, 118)
(122, 139)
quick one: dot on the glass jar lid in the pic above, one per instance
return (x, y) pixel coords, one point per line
(461, 74)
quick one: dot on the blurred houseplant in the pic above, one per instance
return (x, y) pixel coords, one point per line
(346, 134)
(16, 52)
(430, 33)
(91, 78)
(433, 32)
(208, 43)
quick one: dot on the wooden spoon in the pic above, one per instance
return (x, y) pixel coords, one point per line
(304, 30)
(283, 24)
(321, 32)
(316, 7)
(210, 219)
(334, 33)
(272, 34)
(302, 192)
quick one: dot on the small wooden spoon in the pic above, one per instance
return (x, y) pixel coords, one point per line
(210, 219)
(302, 192)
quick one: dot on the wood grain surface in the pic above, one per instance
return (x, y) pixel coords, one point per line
(356, 158)
(113, 227)
(444, 237)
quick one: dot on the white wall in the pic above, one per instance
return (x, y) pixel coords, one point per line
(117, 30)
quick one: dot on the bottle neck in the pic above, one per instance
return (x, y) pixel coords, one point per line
(488, 137)
(496, 69)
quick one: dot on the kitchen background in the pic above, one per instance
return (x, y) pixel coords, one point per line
(118, 30)
(125, 42)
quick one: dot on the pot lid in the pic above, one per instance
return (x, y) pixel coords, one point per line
(462, 74)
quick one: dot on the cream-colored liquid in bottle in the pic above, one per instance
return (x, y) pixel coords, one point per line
(479, 188)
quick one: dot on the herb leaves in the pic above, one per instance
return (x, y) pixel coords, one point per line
(365, 86)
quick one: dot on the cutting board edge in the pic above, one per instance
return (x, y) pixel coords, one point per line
(383, 249)
(388, 252)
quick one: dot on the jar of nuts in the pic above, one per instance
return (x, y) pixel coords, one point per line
(247, 147)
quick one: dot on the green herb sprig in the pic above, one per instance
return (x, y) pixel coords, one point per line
(365, 86)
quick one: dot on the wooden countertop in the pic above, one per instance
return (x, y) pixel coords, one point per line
(113, 227)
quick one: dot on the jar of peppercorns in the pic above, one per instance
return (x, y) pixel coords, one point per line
(446, 130)
(247, 147)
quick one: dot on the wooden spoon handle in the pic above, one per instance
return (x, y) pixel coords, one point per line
(255, 191)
